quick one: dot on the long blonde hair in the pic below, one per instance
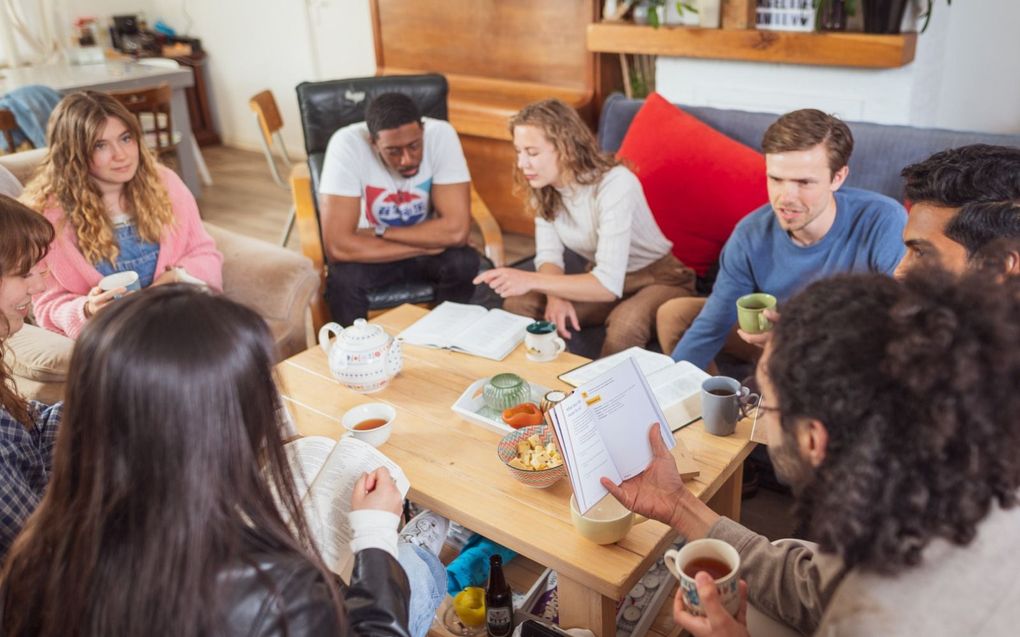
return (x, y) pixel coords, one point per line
(64, 178)
(581, 161)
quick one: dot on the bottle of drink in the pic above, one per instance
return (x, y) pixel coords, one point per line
(499, 602)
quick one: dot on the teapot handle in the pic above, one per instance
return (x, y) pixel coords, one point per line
(324, 333)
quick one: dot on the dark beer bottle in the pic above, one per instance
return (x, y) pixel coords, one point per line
(499, 601)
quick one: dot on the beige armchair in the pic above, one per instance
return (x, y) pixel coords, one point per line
(275, 282)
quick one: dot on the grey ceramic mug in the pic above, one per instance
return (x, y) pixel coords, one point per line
(724, 401)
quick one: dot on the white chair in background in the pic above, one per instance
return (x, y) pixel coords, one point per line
(268, 117)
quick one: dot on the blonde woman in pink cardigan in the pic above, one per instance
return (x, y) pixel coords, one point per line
(114, 208)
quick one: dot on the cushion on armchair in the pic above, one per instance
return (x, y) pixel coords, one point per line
(699, 183)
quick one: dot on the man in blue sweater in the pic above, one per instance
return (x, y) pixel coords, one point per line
(811, 228)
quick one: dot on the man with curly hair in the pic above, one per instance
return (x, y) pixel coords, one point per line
(890, 411)
(963, 199)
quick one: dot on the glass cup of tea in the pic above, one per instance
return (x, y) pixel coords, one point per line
(371, 422)
(717, 558)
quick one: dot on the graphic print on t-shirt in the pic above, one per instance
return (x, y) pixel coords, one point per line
(397, 207)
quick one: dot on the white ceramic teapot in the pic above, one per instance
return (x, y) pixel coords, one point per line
(363, 357)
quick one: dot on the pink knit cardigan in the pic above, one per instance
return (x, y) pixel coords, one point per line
(61, 307)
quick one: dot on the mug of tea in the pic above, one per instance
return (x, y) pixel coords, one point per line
(606, 522)
(541, 342)
(371, 422)
(128, 279)
(717, 558)
(724, 401)
(751, 312)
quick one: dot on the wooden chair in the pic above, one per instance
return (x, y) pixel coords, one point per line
(327, 106)
(8, 125)
(152, 108)
(267, 115)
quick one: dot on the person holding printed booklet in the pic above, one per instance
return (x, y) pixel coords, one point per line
(188, 517)
(583, 200)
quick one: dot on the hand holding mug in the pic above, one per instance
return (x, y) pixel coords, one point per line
(716, 622)
(761, 339)
(97, 299)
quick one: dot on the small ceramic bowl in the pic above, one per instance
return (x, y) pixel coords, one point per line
(507, 451)
(503, 391)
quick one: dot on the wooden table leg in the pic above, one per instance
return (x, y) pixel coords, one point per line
(726, 500)
(581, 607)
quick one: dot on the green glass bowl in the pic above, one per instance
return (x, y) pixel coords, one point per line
(504, 391)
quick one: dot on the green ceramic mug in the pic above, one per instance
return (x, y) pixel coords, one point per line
(751, 312)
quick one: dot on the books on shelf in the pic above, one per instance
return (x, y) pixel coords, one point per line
(325, 472)
(676, 385)
(602, 428)
(471, 329)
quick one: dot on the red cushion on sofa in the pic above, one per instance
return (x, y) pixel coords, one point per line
(699, 183)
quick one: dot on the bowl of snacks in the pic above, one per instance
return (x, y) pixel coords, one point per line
(531, 455)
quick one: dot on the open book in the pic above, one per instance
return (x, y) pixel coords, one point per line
(471, 329)
(677, 386)
(602, 428)
(325, 472)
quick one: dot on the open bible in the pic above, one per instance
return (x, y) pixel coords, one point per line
(325, 472)
(676, 385)
(602, 428)
(471, 329)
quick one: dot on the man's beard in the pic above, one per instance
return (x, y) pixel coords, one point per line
(791, 469)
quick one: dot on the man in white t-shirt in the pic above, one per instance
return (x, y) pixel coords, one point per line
(395, 200)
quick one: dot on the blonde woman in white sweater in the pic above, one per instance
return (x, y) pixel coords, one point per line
(584, 200)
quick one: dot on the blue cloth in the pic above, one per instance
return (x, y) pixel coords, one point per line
(31, 106)
(867, 236)
(427, 579)
(26, 457)
(135, 254)
(471, 567)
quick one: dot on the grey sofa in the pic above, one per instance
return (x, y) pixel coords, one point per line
(880, 153)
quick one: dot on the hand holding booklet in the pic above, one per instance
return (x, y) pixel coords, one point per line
(602, 428)
(325, 472)
(471, 329)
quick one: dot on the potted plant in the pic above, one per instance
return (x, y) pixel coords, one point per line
(833, 14)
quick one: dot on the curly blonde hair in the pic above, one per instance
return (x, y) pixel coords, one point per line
(581, 161)
(64, 176)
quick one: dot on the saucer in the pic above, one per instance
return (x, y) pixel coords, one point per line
(535, 359)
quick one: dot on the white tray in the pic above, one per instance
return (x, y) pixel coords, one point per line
(471, 406)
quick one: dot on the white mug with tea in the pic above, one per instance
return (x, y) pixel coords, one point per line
(371, 422)
(717, 558)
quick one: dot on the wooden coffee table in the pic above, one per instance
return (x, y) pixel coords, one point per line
(454, 470)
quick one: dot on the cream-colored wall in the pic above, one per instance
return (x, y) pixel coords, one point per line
(271, 44)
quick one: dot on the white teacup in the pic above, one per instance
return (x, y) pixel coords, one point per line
(128, 279)
(678, 563)
(541, 342)
(606, 522)
(369, 414)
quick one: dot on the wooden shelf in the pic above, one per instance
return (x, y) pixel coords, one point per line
(785, 47)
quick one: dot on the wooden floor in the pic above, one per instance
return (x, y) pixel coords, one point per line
(244, 199)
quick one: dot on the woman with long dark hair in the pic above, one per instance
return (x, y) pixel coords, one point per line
(585, 201)
(115, 208)
(172, 508)
(28, 429)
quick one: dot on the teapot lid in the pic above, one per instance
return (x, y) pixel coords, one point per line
(363, 335)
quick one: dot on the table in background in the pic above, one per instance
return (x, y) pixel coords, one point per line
(119, 76)
(454, 470)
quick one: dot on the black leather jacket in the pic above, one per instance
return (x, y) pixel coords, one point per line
(285, 595)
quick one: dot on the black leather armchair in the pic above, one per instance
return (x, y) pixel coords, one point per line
(330, 105)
